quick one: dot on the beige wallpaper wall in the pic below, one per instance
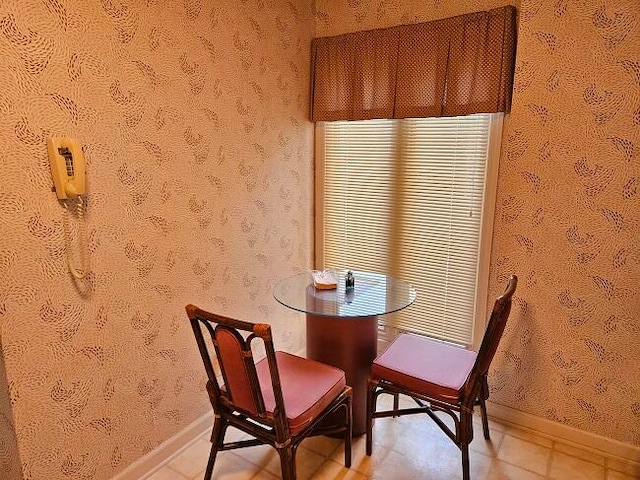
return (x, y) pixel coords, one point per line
(569, 218)
(9, 456)
(193, 114)
(568, 207)
(193, 117)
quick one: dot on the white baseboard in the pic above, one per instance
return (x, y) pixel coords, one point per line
(563, 433)
(147, 465)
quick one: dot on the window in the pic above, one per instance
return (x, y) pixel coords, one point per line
(413, 198)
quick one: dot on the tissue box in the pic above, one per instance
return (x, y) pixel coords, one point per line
(324, 280)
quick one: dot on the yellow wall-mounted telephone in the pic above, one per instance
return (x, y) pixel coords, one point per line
(67, 167)
(67, 170)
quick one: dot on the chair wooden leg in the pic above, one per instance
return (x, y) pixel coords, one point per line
(485, 421)
(484, 394)
(217, 438)
(348, 434)
(217, 434)
(396, 402)
(465, 436)
(465, 461)
(212, 460)
(371, 408)
(288, 462)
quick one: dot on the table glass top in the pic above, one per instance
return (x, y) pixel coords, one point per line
(374, 294)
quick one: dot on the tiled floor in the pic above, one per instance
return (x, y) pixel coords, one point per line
(410, 447)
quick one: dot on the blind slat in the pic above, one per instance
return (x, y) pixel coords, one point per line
(411, 190)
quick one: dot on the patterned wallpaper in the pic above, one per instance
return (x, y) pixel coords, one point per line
(193, 115)
(568, 207)
(569, 218)
(9, 456)
(194, 119)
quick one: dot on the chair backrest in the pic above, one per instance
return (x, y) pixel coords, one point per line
(235, 362)
(490, 340)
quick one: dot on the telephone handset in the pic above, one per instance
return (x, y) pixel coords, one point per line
(68, 172)
(67, 167)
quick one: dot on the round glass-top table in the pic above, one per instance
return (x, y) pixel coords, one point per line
(342, 327)
(373, 294)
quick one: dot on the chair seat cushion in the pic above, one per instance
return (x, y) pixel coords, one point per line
(308, 387)
(425, 366)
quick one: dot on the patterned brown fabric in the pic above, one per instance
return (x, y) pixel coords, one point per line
(332, 84)
(421, 77)
(375, 57)
(455, 66)
(356, 77)
(481, 62)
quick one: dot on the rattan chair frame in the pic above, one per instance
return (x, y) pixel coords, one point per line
(475, 390)
(271, 428)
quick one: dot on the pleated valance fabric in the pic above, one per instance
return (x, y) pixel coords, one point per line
(454, 66)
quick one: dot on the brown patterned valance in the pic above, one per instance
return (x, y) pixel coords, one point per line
(455, 66)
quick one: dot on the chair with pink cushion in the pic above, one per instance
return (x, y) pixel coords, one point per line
(279, 400)
(440, 377)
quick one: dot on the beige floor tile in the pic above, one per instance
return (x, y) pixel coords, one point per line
(488, 447)
(360, 461)
(330, 470)
(436, 453)
(446, 465)
(628, 467)
(429, 452)
(325, 446)
(614, 475)
(233, 435)
(524, 454)
(529, 436)
(262, 475)
(193, 459)
(307, 462)
(439, 460)
(385, 402)
(165, 473)
(402, 467)
(479, 465)
(566, 467)
(410, 447)
(433, 467)
(230, 467)
(505, 471)
(260, 455)
(403, 434)
(387, 430)
(584, 453)
(493, 424)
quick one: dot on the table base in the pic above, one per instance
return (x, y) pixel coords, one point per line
(351, 345)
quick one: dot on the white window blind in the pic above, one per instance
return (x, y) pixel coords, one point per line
(406, 197)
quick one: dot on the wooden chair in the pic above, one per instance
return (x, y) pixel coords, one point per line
(440, 378)
(279, 400)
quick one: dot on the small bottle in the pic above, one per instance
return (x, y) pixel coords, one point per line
(349, 282)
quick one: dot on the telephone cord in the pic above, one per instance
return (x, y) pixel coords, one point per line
(83, 266)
